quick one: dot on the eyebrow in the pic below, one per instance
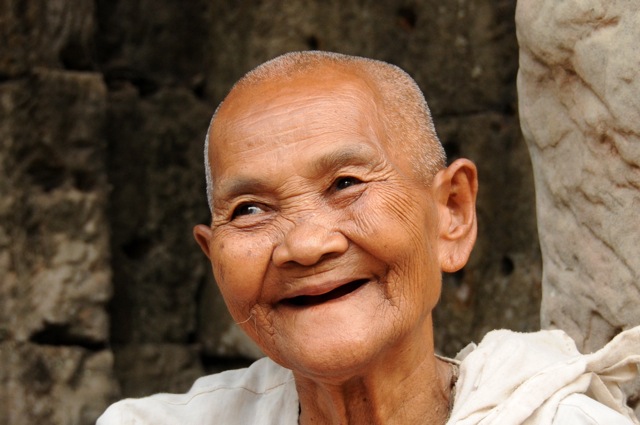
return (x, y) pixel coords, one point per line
(240, 186)
(351, 155)
(357, 155)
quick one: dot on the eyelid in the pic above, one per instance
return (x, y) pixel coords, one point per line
(237, 206)
(355, 188)
(355, 176)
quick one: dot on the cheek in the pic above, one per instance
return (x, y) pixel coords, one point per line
(400, 231)
(393, 223)
(239, 265)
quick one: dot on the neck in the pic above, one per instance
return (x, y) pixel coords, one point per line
(407, 386)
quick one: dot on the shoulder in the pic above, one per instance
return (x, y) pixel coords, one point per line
(582, 410)
(260, 394)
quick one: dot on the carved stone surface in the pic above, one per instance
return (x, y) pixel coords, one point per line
(579, 88)
(55, 276)
(144, 369)
(42, 384)
(156, 172)
(54, 259)
(51, 34)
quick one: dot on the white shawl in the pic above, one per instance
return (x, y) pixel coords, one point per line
(514, 378)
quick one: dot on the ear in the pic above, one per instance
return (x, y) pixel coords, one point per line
(202, 235)
(455, 189)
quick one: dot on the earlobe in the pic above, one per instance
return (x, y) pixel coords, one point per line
(202, 235)
(456, 188)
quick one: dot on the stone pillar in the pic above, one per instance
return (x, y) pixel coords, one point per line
(579, 97)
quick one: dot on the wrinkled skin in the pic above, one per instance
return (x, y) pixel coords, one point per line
(328, 248)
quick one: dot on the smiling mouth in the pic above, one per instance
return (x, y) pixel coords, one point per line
(311, 300)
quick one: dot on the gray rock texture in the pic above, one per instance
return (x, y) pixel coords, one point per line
(45, 384)
(51, 34)
(55, 261)
(579, 85)
(579, 88)
(55, 272)
(55, 276)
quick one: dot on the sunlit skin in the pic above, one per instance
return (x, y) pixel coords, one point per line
(328, 248)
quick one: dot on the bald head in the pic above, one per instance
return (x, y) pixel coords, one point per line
(402, 109)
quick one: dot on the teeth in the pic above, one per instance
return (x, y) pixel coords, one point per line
(309, 300)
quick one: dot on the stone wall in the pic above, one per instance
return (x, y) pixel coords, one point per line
(104, 105)
(579, 85)
(55, 276)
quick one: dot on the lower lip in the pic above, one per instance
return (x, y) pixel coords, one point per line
(338, 294)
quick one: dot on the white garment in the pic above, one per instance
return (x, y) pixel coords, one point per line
(262, 394)
(510, 378)
(513, 378)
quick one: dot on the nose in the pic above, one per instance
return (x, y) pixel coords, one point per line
(307, 243)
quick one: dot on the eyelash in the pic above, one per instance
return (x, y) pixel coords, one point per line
(238, 209)
(241, 209)
(353, 182)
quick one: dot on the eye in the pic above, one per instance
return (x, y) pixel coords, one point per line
(345, 182)
(246, 209)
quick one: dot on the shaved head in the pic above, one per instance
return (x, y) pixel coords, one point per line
(403, 109)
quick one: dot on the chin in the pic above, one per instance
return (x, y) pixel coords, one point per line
(334, 354)
(336, 363)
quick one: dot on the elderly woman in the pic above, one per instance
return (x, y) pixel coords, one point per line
(333, 216)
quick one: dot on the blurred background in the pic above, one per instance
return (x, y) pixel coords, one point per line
(104, 105)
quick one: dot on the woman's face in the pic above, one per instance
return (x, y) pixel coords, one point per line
(323, 242)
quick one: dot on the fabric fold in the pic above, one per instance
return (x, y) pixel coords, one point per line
(513, 378)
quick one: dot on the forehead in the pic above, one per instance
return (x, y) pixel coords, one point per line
(325, 79)
(311, 113)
